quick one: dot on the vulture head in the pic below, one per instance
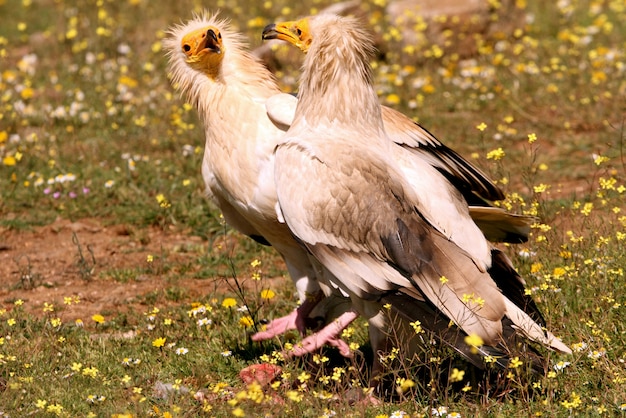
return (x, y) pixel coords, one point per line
(296, 32)
(203, 49)
(200, 49)
(338, 49)
(206, 54)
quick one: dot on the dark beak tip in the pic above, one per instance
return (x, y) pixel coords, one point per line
(212, 42)
(211, 34)
(269, 32)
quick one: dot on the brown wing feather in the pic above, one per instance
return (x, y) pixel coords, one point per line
(512, 285)
(450, 280)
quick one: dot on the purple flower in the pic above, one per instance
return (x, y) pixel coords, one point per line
(85, 190)
(46, 190)
(56, 195)
(72, 195)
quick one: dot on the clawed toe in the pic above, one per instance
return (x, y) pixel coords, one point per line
(327, 335)
(278, 327)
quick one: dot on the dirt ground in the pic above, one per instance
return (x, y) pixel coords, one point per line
(42, 266)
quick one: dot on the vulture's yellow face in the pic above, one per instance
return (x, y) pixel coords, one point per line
(296, 32)
(204, 49)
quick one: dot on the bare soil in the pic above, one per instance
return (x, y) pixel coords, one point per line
(43, 266)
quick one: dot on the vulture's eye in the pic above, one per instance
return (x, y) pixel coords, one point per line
(186, 48)
(299, 31)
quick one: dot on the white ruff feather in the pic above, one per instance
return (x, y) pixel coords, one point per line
(336, 81)
(239, 68)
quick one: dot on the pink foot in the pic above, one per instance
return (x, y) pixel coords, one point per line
(279, 326)
(295, 320)
(327, 335)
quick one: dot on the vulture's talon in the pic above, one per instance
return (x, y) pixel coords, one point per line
(330, 335)
(279, 326)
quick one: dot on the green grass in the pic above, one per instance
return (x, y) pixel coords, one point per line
(90, 127)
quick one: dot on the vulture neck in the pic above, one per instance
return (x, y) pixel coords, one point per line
(240, 75)
(239, 91)
(242, 70)
(336, 84)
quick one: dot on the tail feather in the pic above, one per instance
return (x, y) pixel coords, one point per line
(511, 284)
(499, 225)
(520, 307)
(522, 320)
(529, 328)
(514, 341)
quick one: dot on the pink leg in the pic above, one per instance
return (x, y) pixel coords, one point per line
(327, 335)
(295, 320)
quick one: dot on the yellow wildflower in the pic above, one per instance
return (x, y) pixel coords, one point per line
(496, 154)
(404, 385)
(246, 321)
(456, 375)
(159, 342)
(229, 303)
(515, 363)
(474, 341)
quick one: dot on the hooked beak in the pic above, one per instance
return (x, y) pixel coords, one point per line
(270, 32)
(294, 32)
(212, 42)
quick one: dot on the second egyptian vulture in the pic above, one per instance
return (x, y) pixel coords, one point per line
(391, 229)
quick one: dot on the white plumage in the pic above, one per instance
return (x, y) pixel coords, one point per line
(229, 87)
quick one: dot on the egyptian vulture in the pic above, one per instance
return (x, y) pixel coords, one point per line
(391, 228)
(210, 65)
(233, 94)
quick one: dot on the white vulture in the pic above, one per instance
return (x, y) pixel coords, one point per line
(209, 63)
(390, 227)
(233, 93)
